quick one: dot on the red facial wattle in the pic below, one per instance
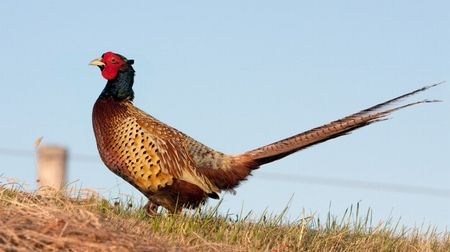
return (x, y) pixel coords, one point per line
(110, 73)
(113, 63)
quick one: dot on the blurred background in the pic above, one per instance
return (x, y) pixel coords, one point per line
(236, 75)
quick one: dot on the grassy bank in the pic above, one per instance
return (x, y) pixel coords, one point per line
(84, 222)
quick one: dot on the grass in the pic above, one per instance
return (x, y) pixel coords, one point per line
(85, 222)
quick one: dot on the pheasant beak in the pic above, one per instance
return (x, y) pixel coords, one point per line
(97, 62)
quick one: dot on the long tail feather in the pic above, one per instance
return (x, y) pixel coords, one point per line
(282, 148)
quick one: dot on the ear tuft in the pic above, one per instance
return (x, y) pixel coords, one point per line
(130, 62)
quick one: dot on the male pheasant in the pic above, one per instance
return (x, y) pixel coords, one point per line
(172, 169)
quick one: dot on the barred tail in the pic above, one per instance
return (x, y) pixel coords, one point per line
(282, 148)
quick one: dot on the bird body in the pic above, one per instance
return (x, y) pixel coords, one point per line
(174, 170)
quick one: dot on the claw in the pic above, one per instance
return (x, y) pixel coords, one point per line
(151, 209)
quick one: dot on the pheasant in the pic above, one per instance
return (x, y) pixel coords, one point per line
(174, 170)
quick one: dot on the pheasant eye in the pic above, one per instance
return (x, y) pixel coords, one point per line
(113, 60)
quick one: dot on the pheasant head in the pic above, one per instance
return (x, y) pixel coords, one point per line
(119, 72)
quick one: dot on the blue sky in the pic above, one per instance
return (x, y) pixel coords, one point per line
(236, 75)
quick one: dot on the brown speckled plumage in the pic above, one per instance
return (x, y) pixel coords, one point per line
(147, 153)
(170, 168)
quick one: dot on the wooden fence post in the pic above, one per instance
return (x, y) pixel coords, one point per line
(51, 165)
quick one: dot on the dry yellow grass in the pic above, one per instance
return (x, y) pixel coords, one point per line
(54, 222)
(30, 222)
